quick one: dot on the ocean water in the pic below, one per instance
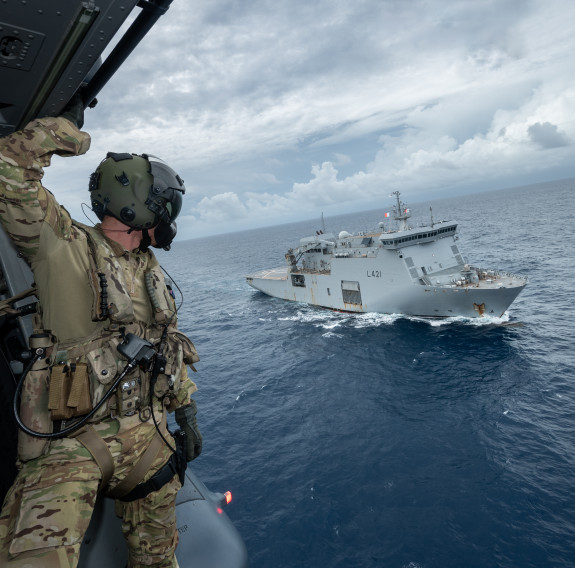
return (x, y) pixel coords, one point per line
(379, 440)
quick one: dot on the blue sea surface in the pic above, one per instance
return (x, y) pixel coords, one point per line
(379, 440)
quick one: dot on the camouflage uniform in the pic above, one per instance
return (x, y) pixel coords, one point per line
(49, 506)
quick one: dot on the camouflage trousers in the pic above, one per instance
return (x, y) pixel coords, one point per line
(48, 509)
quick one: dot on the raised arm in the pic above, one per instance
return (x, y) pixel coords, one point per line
(26, 206)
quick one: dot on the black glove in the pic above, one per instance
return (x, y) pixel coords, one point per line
(186, 419)
(74, 111)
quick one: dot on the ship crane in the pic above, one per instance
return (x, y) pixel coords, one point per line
(301, 250)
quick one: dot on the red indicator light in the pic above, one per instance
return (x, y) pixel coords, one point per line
(219, 510)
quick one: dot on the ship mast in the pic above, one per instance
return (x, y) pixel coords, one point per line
(401, 212)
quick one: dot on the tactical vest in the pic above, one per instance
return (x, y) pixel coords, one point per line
(82, 372)
(112, 299)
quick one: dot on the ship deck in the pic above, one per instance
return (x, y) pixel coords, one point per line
(502, 281)
(279, 273)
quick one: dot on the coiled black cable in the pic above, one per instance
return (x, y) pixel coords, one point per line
(40, 352)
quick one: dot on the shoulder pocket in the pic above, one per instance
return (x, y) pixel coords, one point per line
(189, 352)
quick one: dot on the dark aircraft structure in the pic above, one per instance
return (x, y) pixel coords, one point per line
(49, 51)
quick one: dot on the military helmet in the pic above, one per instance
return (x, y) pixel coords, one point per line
(139, 190)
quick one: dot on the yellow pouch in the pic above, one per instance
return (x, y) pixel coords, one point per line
(69, 391)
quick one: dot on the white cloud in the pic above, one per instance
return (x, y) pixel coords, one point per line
(221, 208)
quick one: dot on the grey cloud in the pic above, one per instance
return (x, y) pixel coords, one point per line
(206, 56)
(547, 135)
(230, 49)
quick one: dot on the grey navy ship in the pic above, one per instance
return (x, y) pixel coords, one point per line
(415, 271)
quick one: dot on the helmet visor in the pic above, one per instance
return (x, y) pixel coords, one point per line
(168, 187)
(174, 204)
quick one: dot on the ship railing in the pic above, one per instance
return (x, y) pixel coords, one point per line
(311, 270)
(486, 273)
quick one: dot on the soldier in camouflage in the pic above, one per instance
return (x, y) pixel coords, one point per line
(95, 285)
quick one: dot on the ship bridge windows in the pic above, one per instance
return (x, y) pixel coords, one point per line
(419, 237)
(298, 280)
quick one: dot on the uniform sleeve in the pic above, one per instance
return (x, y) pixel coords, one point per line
(186, 390)
(183, 395)
(25, 204)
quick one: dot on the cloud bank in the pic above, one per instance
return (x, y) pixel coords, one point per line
(276, 111)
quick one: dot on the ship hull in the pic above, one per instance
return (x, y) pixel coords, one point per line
(395, 293)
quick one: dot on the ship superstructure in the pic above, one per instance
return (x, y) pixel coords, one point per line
(413, 271)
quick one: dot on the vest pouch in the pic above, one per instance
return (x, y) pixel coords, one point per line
(103, 368)
(169, 380)
(69, 391)
(34, 413)
(130, 395)
(163, 304)
(34, 404)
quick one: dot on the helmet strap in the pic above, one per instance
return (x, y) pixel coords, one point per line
(146, 240)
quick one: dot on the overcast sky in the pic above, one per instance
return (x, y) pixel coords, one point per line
(275, 111)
